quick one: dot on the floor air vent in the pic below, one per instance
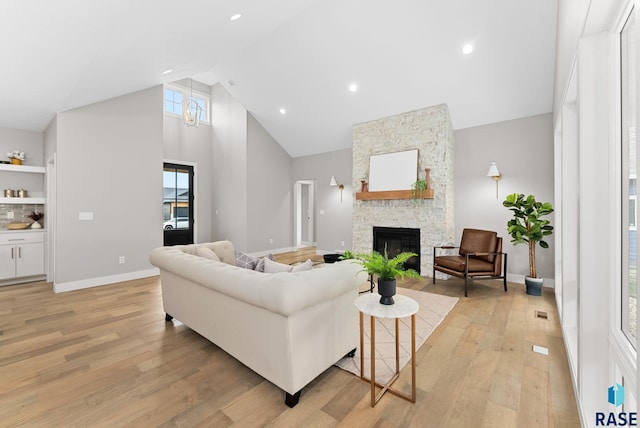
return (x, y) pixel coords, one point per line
(541, 314)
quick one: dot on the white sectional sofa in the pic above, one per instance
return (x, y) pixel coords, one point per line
(287, 327)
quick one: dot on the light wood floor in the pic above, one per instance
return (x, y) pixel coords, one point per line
(105, 357)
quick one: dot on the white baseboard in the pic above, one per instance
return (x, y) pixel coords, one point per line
(103, 280)
(512, 277)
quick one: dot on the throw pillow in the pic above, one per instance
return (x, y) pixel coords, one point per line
(246, 261)
(271, 266)
(303, 266)
(260, 265)
(207, 253)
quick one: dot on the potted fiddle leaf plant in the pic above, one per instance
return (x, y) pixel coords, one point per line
(528, 226)
(387, 271)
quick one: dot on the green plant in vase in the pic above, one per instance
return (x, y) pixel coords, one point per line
(387, 270)
(529, 227)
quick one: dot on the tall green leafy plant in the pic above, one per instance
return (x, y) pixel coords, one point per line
(385, 268)
(528, 225)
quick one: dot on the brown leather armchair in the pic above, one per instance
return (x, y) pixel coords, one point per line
(480, 255)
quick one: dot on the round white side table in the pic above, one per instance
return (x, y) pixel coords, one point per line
(369, 304)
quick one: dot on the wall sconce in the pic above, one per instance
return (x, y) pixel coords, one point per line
(495, 174)
(333, 182)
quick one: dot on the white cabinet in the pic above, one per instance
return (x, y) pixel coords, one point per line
(21, 255)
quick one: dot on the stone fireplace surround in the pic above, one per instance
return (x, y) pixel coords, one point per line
(430, 131)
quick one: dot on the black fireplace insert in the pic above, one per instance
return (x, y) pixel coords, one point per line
(398, 240)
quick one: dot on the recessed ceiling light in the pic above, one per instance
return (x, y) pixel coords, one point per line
(283, 111)
(164, 73)
(235, 17)
(467, 49)
(353, 87)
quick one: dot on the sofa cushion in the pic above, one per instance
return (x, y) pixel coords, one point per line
(246, 261)
(261, 261)
(271, 266)
(207, 253)
(223, 249)
(307, 265)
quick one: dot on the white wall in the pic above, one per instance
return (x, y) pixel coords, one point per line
(229, 187)
(523, 151)
(269, 193)
(333, 226)
(109, 163)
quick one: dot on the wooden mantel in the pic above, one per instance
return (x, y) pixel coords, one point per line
(393, 194)
(365, 195)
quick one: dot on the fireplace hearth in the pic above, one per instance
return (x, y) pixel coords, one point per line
(398, 240)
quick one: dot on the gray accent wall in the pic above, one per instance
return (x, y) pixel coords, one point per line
(333, 217)
(523, 151)
(109, 163)
(229, 186)
(269, 191)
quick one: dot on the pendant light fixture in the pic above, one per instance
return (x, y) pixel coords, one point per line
(191, 110)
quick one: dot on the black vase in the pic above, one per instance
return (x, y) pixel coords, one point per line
(386, 289)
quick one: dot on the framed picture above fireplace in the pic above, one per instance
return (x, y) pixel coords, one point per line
(393, 171)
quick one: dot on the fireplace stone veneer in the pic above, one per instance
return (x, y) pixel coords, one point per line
(430, 131)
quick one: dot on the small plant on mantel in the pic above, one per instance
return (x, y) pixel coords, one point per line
(418, 189)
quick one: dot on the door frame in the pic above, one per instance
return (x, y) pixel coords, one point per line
(298, 213)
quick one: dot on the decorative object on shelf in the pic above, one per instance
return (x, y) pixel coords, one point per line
(17, 226)
(364, 186)
(36, 216)
(418, 189)
(387, 271)
(8, 193)
(22, 193)
(528, 227)
(16, 157)
(333, 182)
(191, 110)
(495, 174)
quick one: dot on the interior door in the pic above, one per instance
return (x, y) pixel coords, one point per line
(177, 204)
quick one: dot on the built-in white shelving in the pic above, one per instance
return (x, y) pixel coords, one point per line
(10, 168)
(22, 168)
(22, 200)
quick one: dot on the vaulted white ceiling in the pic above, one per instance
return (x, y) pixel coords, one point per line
(300, 55)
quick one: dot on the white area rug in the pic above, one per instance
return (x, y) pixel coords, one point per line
(433, 309)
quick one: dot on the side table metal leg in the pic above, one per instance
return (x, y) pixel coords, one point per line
(413, 358)
(373, 361)
(361, 345)
(397, 348)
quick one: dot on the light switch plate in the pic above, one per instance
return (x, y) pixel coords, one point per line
(85, 215)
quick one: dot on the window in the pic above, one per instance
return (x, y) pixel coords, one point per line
(174, 97)
(628, 180)
(172, 101)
